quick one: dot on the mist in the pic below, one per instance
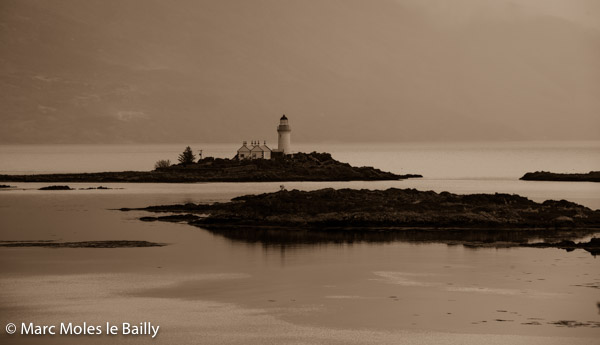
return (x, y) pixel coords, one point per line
(342, 71)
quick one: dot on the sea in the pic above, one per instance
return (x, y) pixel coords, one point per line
(208, 288)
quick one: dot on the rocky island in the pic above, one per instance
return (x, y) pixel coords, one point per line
(384, 209)
(592, 176)
(298, 167)
(56, 188)
(347, 216)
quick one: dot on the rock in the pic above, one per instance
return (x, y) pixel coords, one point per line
(388, 209)
(56, 188)
(592, 176)
(592, 246)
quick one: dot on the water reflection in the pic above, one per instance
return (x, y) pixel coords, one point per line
(271, 238)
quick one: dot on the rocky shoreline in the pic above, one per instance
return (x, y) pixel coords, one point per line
(348, 216)
(56, 188)
(592, 246)
(385, 209)
(301, 167)
(592, 176)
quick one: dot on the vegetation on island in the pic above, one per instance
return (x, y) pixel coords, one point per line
(163, 163)
(298, 167)
(187, 157)
(592, 176)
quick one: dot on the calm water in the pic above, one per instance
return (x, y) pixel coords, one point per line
(208, 288)
(433, 160)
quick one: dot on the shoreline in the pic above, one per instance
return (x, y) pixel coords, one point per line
(81, 244)
(150, 177)
(299, 167)
(348, 215)
(393, 207)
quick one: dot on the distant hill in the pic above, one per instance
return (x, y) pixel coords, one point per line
(100, 71)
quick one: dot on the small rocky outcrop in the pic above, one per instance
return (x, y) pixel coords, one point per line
(592, 176)
(56, 188)
(592, 246)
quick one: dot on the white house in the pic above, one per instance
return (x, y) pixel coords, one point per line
(266, 150)
(260, 151)
(243, 152)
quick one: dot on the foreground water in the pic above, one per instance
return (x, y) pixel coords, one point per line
(206, 288)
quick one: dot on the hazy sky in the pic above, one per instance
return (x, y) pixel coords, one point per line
(99, 71)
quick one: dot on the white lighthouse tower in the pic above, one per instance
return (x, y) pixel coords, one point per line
(285, 135)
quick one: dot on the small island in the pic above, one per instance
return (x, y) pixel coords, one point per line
(348, 216)
(592, 176)
(56, 188)
(297, 167)
(391, 209)
(252, 162)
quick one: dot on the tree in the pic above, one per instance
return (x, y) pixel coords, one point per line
(162, 164)
(187, 157)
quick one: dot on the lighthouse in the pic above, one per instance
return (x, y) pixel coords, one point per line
(258, 151)
(285, 136)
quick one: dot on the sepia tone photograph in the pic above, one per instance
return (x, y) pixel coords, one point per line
(300, 172)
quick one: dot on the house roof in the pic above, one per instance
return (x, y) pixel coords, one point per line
(243, 148)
